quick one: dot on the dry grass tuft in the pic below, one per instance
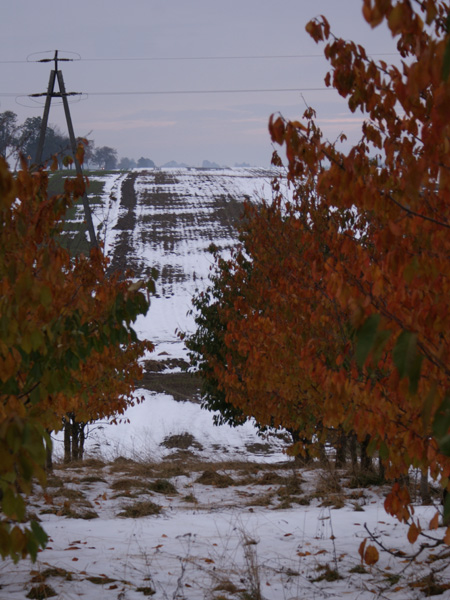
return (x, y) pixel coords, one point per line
(365, 479)
(359, 569)
(162, 486)
(329, 490)
(100, 580)
(93, 463)
(121, 465)
(71, 513)
(181, 441)
(147, 591)
(169, 469)
(190, 498)
(54, 481)
(211, 477)
(328, 574)
(41, 592)
(125, 484)
(92, 479)
(225, 585)
(184, 455)
(74, 506)
(140, 509)
(76, 465)
(334, 501)
(69, 493)
(430, 586)
(270, 478)
(56, 572)
(328, 483)
(262, 500)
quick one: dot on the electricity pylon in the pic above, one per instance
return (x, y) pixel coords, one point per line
(56, 74)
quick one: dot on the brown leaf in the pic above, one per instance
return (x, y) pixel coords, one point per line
(413, 533)
(361, 549)
(371, 555)
(434, 523)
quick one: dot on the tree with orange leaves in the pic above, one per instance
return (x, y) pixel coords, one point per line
(346, 313)
(67, 343)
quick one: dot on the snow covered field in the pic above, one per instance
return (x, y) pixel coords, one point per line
(169, 223)
(186, 530)
(175, 508)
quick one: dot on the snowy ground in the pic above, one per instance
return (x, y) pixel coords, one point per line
(248, 530)
(224, 531)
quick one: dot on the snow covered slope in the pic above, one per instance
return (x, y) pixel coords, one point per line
(167, 219)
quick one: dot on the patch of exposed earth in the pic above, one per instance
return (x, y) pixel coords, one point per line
(170, 377)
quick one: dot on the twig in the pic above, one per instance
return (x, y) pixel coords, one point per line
(400, 554)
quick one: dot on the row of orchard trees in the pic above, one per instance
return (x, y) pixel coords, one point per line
(22, 139)
(67, 344)
(332, 313)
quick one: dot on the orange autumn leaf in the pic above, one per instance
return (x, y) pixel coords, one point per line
(434, 523)
(413, 533)
(447, 536)
(371, 555)
(361, 549)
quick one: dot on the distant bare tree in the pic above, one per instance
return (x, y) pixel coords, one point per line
(106, 157)
(127, 163)
(9, 131)
(145, 162)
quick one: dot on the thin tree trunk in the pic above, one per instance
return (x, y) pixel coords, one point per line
(354, 452)
(366, 460)
(425, 495)
(67, 439)
(82, 438)
(49, 457)
(75, 439)
(341, 449)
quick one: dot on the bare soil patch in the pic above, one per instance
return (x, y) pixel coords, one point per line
(182, 386)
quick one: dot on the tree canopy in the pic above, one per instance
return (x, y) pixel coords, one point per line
(341, 320)
(67, 343)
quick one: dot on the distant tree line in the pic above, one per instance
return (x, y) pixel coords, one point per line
(22, 140)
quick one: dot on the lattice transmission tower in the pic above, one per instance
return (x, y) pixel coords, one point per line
(56, 75)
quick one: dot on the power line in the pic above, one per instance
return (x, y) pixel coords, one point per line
(241, 57)
(188, 58)
(233, 91)
(180, 92)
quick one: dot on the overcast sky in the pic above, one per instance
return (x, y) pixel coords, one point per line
(226, 127)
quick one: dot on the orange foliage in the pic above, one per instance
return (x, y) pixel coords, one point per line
(343, 317)
(66, 340)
